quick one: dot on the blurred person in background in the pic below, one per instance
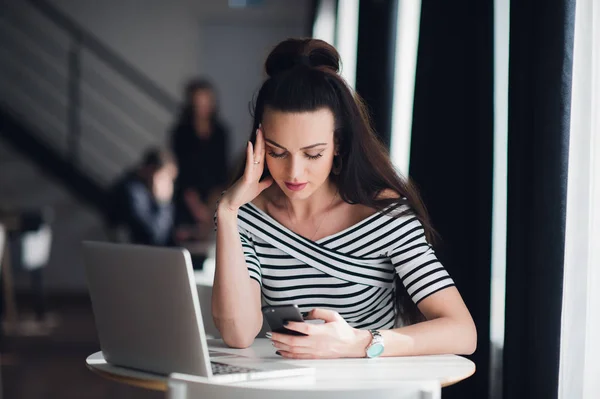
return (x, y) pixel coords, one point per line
(199, 142)
(143, 200)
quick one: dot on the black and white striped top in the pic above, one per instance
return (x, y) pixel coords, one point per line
(350, 272)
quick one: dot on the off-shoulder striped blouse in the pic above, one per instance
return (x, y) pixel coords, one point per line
(350, 272)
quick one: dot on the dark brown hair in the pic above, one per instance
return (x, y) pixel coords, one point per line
(157, 158)
(303, 75)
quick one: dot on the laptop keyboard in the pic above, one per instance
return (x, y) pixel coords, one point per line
(222, 368)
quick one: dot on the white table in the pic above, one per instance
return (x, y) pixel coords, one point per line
(447, 369)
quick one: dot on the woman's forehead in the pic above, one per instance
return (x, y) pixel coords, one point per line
(294, 130)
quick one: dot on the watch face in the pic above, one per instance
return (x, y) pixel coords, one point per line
(375, 350)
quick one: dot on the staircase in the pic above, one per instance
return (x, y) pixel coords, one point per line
(78, 115)
(71, 104)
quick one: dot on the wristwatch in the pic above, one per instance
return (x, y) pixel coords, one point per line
(376, 346)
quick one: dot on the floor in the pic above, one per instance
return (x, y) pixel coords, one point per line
(48, 360)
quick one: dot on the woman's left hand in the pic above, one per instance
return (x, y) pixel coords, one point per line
(333, 339)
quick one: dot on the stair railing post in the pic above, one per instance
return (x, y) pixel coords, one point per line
(74, 106)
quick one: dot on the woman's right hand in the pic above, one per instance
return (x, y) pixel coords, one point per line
(249, 186)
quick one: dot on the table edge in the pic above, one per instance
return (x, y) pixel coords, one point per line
(453, 381)
(163, 385)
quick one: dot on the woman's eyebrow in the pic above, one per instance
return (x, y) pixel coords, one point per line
(312, 146)
(303, 148)
(275, 144)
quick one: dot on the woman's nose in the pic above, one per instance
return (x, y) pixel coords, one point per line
(295, 168)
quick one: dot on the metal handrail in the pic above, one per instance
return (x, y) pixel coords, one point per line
(80, 43)
(91, 43)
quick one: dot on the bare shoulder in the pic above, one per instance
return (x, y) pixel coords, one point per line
(388, 193)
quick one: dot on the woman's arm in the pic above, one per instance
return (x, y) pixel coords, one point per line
(235, 296)
(449, 329)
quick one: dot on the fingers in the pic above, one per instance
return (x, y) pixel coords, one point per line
(290, 340)
(249, 160)
(303, 328)
(259, 150)
(323, 314)
(249, 155)
(292, 349)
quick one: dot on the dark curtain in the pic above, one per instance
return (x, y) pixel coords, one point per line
(541, 50)
(313, 6)
(452, 155)
(375, 61)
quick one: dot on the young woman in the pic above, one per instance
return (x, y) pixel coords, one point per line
(319, 218)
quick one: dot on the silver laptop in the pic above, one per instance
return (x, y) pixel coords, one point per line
(148, 316)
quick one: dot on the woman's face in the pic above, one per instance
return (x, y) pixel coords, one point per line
(203, 103)
(299, 149)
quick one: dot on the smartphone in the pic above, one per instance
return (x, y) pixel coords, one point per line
(277, 316)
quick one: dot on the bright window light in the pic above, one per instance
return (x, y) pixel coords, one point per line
(347, 38)
(499, 200)
(324, 25)
(580, 329)
(405, 65)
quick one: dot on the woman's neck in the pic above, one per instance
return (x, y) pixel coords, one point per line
(320, 201)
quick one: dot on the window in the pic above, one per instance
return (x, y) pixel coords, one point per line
(580, 344)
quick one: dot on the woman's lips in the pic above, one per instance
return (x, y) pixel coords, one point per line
(295, 187)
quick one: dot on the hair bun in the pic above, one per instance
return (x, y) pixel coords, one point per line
(291, 53)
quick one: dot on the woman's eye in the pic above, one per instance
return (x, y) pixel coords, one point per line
(316, 156)
(276, 155)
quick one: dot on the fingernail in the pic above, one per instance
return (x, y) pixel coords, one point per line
(268, 335)
(278, 353)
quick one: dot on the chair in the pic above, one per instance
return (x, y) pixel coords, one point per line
(183, 386)
(25, 244)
